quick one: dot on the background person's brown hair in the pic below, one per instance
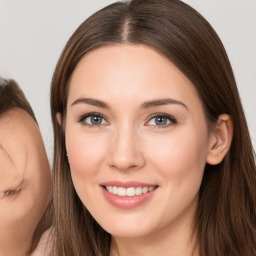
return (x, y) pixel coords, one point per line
(225, 221)
(11, 96)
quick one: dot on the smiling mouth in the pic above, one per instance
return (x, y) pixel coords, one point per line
(130, 191)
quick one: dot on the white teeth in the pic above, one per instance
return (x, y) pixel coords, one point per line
(109, 189)
(132, 191)
(150, 189)
(145, 190)
(121, 191)
(114, 190)
(138, 191)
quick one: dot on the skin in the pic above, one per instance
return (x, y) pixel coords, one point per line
(128, 145)
(25, 181)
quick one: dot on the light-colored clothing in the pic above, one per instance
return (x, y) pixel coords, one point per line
(44, 246)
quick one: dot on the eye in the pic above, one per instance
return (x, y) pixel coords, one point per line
(161, 120)
(9, 192)
(93, 119)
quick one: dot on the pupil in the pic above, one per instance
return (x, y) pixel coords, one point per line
(96, 119)
(161, 120)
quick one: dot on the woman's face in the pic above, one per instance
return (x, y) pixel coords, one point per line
(136, 139)
(25, 180)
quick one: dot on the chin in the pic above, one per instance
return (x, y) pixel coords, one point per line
(128, 227)
(131, 232)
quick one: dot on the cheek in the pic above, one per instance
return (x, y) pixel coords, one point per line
(85, 153)
(17, 209)
(180, 155)
(38, 175)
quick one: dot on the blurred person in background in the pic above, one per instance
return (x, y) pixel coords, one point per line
(25, 178)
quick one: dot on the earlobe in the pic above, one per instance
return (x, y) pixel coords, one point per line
(220, 140)
(59, 119)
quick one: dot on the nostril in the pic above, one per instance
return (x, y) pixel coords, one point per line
(129, 162)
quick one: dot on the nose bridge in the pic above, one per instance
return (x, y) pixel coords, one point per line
(125, 152)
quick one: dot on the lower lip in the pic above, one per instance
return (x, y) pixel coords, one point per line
(127, 201)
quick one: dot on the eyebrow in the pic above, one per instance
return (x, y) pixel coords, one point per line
(161, 102)
(90, 101)
(145, 105)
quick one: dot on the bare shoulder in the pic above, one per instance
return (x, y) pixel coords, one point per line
(44, 245)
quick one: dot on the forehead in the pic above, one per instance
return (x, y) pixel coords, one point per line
(14, 125)
(129, 71)
(16, 129)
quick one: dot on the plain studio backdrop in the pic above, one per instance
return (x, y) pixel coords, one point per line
(34, 32)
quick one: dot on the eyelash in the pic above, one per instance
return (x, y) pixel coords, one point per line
(83, 117)
(10, 192)
(170, 118)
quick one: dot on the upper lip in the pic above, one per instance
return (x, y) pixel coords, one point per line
(127, 184)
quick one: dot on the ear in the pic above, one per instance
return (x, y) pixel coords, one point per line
(220, 140)
(59, 118)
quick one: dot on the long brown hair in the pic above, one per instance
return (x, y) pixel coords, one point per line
(225, 220)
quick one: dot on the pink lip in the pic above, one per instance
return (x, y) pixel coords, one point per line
(127, 202)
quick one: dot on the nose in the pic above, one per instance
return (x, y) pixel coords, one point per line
(126, 151)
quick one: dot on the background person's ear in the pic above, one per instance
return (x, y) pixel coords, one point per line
(220, 140)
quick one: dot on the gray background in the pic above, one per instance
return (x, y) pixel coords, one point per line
(34, 32)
